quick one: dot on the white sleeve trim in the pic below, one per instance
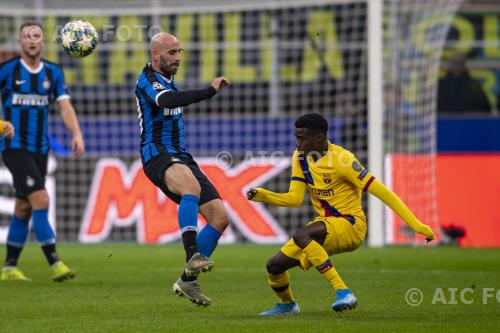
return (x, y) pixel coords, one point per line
(159, 94)
(62, 97)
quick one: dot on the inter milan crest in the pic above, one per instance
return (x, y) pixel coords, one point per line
(327, 178)
(30, 181)
(46, 84)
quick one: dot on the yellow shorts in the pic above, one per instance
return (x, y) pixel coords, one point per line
(341, 236)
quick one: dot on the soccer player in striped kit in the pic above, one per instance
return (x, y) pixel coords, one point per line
(171, 168)
(27, 84)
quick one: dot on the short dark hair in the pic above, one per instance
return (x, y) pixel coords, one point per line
(29, 24)
(312, 121)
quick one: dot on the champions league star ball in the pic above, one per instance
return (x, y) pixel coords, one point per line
(79, 38)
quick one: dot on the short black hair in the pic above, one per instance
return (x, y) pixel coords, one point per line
(312, 121)
(29, 24)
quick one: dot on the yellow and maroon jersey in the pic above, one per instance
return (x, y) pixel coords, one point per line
(335, 182)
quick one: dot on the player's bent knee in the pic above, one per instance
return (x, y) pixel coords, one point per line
(273, 267)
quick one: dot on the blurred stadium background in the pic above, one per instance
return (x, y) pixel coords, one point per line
(371, 67)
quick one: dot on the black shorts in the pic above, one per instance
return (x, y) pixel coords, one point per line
(155, 170)
(28, 170)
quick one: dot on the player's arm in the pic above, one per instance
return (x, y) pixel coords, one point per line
(356, 174)
(69, 118)
(68, 114)
(293, 198)
(378, 189)
(175, 99)
(6, 129)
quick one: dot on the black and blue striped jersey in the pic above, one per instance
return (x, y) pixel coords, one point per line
(162, 129)
(160, 107)
(26, 95)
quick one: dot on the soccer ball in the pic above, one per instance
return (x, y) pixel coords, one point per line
(79, 38)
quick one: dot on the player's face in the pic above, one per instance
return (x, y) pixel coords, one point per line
(170, 57)
(31, 41)
(307, 141)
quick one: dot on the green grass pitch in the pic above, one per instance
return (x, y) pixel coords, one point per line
(127, 288)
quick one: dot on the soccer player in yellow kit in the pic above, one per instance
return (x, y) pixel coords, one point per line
(335, 179)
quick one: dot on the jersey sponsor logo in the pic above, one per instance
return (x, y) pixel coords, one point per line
(356, 166)
(327, 179)
(363, 174)
(172, 112)
(122, 196)
(158, 86)
(322, 192)
(19, 82)
(30, 100)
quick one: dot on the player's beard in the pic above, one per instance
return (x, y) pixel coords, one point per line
(165, 68)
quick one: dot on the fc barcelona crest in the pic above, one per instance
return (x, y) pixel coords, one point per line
(326, 178)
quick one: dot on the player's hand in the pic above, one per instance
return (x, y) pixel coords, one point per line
(219, 83)
(8, 130)
(251, 193)
(77, 145)
(427, 232)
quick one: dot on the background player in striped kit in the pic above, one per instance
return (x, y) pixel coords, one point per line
(28, 83)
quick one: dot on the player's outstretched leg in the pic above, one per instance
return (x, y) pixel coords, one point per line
(317, 256)
(345, 300)
(192, 291)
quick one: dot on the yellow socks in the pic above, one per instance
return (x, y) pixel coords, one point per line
(319, 258)
(281, 286)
